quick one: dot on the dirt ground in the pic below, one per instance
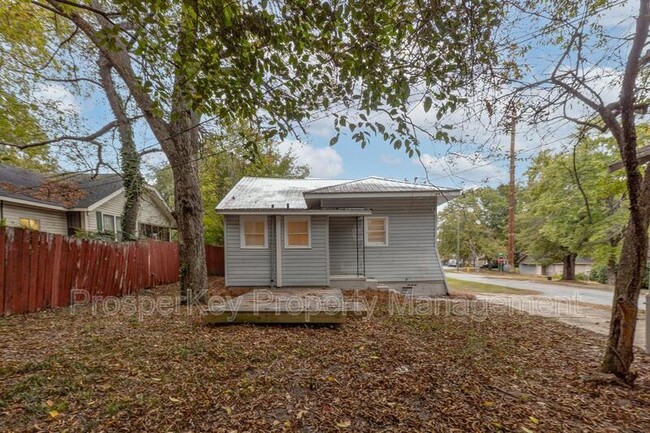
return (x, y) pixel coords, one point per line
(146, 364)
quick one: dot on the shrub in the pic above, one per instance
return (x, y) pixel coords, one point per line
(599, 274)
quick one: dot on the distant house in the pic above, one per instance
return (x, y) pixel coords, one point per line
(529, 267)
(63, 204)
(338, 233)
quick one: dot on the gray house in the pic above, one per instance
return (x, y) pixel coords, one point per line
(66, 204)
(338, 233)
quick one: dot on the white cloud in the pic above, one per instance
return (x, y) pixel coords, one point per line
(323, 162)
(323, 127)
(389, 160)
(59, 96)
(470, 170)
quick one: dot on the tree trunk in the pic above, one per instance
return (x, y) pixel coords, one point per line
(189, 217)
(619, 353)
(178, 137)
(130, 159)
(184, 158)
(132, 189)
(569, 268)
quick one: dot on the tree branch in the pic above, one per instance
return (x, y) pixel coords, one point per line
(148, 151)
(87, 138)
(120, 61)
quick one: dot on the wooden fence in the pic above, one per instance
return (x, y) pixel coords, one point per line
(40, 270)
(215, 260)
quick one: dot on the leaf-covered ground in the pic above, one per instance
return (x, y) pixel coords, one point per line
(500, 371)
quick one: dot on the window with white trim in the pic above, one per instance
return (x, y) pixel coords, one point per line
(254, 232)
(376, 231)
(297, 231)
(108, 223)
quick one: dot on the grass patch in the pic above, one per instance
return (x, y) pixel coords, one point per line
(461, 286)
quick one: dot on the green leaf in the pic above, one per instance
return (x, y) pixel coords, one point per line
(427, 104)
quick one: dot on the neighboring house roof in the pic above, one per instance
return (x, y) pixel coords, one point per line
(74, 191)
(274, 194)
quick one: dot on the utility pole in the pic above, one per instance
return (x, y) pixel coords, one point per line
(511, 195)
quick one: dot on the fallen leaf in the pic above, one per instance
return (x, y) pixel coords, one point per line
(344, 424)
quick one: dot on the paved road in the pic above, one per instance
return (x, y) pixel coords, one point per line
(591, 296)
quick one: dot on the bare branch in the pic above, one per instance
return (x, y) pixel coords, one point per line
(149, 151)
(86, 138)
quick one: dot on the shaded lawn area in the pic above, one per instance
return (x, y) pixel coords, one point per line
(506, 371)
(471, 287)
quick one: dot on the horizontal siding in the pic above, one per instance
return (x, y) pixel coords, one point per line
(245, 267)
(52, 221)
(149, 213)
(113, 207)
(343, 245)
(411, 251)
(307, 267)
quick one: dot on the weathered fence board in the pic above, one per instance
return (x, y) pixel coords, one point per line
(40, 270)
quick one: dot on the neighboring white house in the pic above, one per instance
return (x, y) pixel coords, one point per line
(63, 204)
(336, 233)
(582, 266)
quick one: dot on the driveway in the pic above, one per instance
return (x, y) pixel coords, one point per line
(590, 296)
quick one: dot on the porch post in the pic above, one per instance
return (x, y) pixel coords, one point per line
(356, 223)
(278, 251)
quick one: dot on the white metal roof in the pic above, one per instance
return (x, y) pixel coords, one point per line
(375, 184)
(258, 194)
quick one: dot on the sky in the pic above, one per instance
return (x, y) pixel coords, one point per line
(458, 165)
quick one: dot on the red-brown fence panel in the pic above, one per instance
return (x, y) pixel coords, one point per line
(3, 244)
(40, 270)
(215, 260)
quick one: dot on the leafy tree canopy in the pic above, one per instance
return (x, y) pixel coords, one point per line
(280, 62)
(479, 218)
(238, 151)
(573, 205)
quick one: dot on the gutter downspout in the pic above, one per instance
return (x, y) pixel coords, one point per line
(2, 209)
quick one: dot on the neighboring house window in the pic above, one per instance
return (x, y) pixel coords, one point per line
(154, 232)
(298, 232)
(109, 223)
(376, 231)
(118, 228)
(29, 223)
(254, 232)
